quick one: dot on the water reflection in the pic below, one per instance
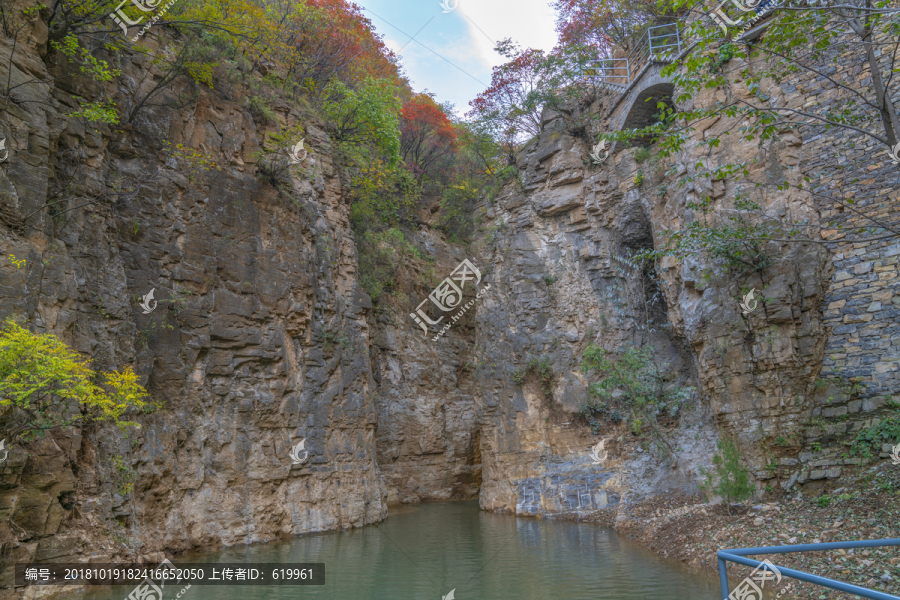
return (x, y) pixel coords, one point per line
(422, 552)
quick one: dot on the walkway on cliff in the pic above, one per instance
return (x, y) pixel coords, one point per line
(638, 80)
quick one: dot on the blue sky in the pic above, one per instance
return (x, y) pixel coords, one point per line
(455, 35)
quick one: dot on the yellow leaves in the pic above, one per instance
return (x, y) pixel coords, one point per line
(201, 72)
(50, 383)
(248, 25)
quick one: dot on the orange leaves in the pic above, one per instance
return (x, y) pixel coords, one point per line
(427, 136)
(333, 39)
(422, 113)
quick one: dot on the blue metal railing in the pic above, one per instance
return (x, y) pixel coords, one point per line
(737, 556)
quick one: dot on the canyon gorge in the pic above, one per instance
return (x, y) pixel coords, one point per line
(264, 333)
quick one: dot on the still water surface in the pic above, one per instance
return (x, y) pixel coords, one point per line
(422, 552)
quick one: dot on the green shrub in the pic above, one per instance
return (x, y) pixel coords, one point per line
(542, 369)
(868, 441)
(728, 478)
(381, 254)
(458, 217)
(726, 52)
(260, 109)
(125, 475)
(592, 409)
(739, 241)
(642, 155)
(500, 179)
(366, 114)
(634, 381)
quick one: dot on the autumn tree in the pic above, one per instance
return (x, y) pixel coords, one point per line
(428, 139)
(530, 82)
(45, 385)
(604, 25)
(511, 105)
(332, 39)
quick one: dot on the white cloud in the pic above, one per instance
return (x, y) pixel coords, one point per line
(457, 37)
(531, 23)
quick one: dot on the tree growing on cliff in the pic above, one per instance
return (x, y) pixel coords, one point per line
(45, 385)
(428, 138)
(728, 478)
(364, 115)
(638, 383)
(530, 82)
(332, 39)
(603, 25)
(512, 102)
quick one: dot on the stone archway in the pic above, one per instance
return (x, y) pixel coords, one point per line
(636, 108)
(643, 109)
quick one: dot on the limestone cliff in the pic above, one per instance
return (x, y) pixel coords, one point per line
(263, 336)
(790, 382)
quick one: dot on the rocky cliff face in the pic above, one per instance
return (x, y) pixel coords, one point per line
(560, 261)
(427, 440)
(559, 251)
(262, 336)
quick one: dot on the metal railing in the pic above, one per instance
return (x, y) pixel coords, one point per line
(658, 44)
(737, 556)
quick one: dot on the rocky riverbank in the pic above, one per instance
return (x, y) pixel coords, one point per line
(865, 506)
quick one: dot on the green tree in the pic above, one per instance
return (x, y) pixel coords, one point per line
(458, 215)
(48, 385)
(634, 380)
(728, 477)
(367, 114)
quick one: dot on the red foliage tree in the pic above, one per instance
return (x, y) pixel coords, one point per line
(602, 24)
(510, 108)
(333, 39)
(427, 137)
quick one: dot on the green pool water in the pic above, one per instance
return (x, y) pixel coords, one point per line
(423, 552)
